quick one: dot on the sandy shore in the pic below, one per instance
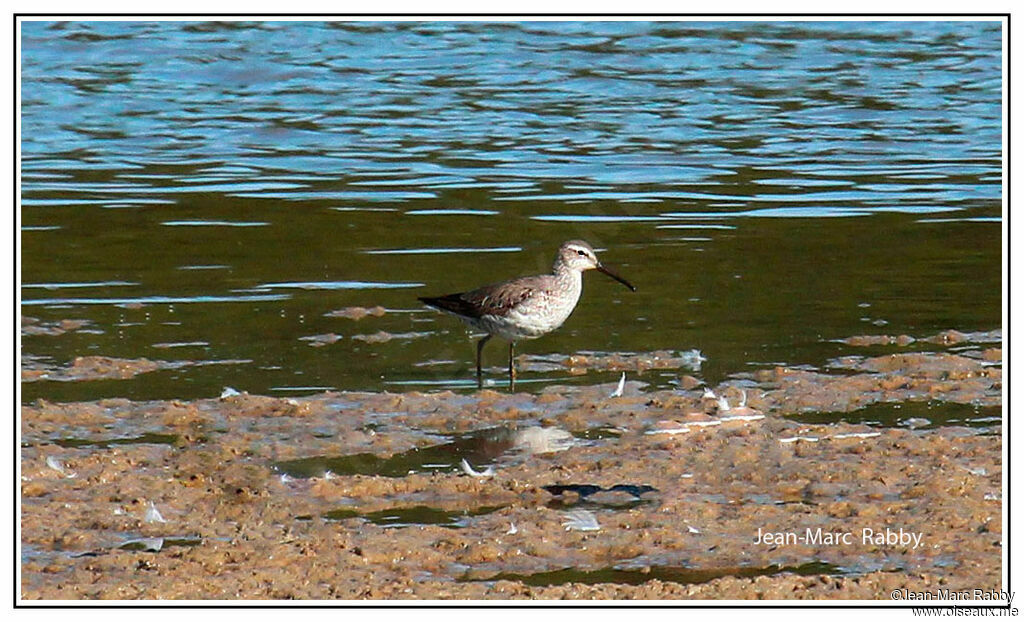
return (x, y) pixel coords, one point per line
(647, 495)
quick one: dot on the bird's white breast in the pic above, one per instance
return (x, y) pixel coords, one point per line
(539, 314)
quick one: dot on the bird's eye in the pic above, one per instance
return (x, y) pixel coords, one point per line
(582, 253)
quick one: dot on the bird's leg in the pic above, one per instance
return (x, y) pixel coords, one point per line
(511, 366)
(479, 351)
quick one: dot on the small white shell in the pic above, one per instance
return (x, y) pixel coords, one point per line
(580, 520)
(469, 470)
(793, 439)
(59, 467)
(857, 435)
(622, 385)
(153, 515)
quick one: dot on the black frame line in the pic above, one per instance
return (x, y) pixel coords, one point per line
(455, 604)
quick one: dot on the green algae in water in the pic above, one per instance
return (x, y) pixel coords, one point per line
(415, 515)
(150, 438)
(476, 447)
(683, 576)
(155, 545)
(598, 433)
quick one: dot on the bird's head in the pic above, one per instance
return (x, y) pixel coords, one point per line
(578, 255)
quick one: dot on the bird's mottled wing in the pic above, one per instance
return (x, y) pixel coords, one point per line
(499, 298)
(494, 299)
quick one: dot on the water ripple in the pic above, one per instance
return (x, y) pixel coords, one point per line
(212, 223)
(442, 251)
(337, 285)
(144, 300)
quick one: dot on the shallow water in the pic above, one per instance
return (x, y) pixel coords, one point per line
(916, 415)
(684, 576)
(205, 191)
(415, 515)
(443, 457)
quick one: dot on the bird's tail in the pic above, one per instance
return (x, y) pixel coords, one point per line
(452, 303)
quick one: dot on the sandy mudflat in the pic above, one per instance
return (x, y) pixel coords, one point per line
(651, 495)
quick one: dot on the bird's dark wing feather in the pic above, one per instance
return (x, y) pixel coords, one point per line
(453, 303)
(494, 299)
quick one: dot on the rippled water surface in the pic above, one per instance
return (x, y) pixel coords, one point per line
(209, 191)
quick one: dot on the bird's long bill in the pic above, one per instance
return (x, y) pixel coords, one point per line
(618, 278)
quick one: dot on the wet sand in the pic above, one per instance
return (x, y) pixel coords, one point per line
(648, 495)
